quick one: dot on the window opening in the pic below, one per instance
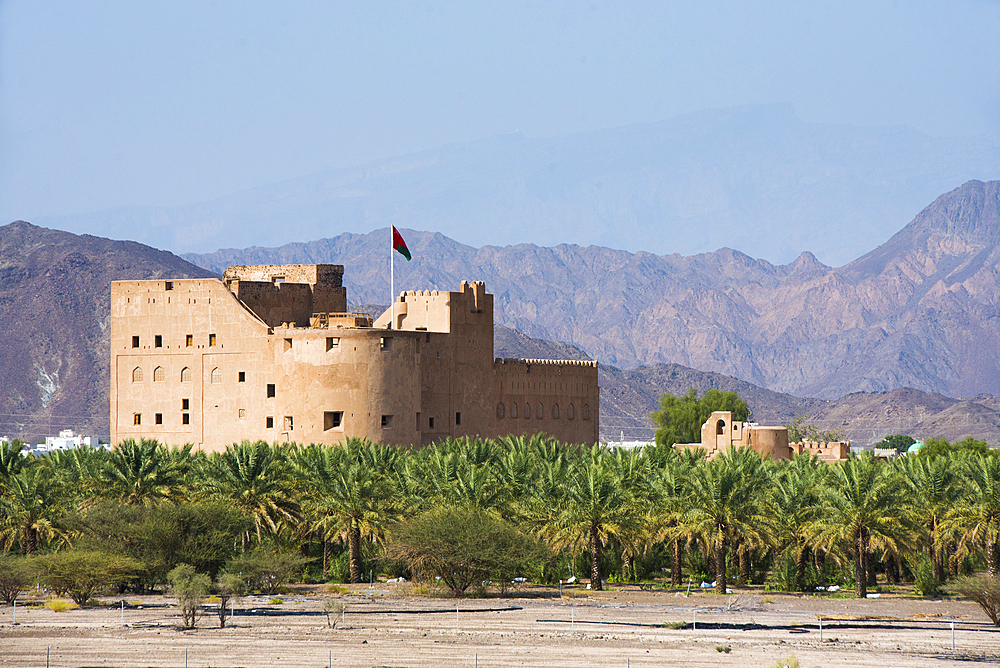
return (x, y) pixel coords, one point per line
(720, 427)
(458, 419)
(158, 375)
(168, 285)
(242, 377)
(137, 419)
(332, 420)
(289, 423)
(540, 413)
(158, 341)
(243, 413)
(430, 423)
(555, 411)
(137, 375)
(387, 422)
(135, 341)
(332, 342)
(513, 410)
(270, 391)
(269, 422)
(185, 418)
(185, 404)
(570, 412)
(500, 411)
(211, 340)
(158, 418)
(189, 340)
(385, 343)
(186, 375)
(216, 376)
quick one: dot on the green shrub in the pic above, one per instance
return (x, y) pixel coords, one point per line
(59, 605)
(923, 575)
(80, 573)
(464, 547)
(15, 575)
(266, 569)
(190, 588)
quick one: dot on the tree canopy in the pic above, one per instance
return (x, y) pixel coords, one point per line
(679, 419)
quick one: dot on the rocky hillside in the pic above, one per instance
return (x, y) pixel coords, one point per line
(919, 311)
(54, 307)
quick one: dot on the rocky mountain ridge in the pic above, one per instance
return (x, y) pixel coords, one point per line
(920, 311)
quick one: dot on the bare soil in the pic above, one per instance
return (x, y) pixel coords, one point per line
(390, 626)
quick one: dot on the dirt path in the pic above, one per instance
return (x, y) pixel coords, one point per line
(620, 628)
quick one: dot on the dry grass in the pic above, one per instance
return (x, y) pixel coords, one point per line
(60, 605)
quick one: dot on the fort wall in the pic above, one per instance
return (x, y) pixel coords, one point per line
(214, 362)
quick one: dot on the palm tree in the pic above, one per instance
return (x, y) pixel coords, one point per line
(596, 506)
(142, 472)
(351, 491)
(254, 478)
(727, 503)
(976, 518)
(935, 484)
(795, 494)
(32, 509)
(863, 508)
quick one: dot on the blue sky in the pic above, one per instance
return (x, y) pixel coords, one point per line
(107, 104)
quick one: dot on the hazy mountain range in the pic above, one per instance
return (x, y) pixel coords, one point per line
(754, 178)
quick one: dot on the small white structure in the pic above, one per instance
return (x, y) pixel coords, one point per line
(66, 440)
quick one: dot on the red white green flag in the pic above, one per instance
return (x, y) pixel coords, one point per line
(399, 245)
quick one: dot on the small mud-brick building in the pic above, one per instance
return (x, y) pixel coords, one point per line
(270, 352)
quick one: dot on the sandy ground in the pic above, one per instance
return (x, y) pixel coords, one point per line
(386, 626)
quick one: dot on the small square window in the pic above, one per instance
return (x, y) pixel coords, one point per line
(385, 343)
(189, 340)
(332, 420)
(185, 404)
(288, 345)
(387, 422)
(185, 418)
(137, 419)
(269, 422)
(158, 418)
(242, 377)
(243, 413)
(158, 341)
(135, 341)
(458, 419)
(211, 340)
(332, 342)
(289, 423)
(270, 391)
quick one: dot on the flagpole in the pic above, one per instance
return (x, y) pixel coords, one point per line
(392, 281)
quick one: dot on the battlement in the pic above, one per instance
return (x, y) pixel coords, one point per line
(530, 361)
(325, 275)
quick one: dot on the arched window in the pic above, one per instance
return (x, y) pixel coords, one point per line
(137, 375)
(527, 411)
(216, 375)
(513, 410)
(586, 412)
(570, 413)
(720, 427)
(555, 411)
(540, 413)
(186, 375)
(500, 411)
(158, 376)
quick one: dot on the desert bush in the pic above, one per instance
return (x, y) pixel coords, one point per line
(266, 569)
(227, 587)
(984, 590)
(788, 662)
(333, 607)
(190, 588)
(59, 605)
(463, 546)
(79, 573)
(15, 575)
